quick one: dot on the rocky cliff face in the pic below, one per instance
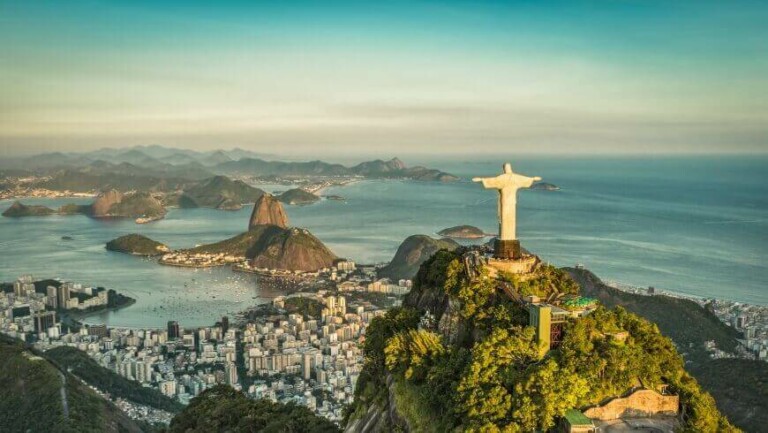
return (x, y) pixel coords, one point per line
(380, 419)
(414, 251)
(268, 211)
(140, 204)
(294, 249)
(105, 201)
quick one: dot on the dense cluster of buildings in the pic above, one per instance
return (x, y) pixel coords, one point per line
(285, 357)
(750, 320)
(198, 260)
(31, 309)
(310, 361)
(383, 285)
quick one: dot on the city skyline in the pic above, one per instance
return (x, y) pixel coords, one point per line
(342, 78)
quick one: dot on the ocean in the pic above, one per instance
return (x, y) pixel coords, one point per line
(692, 225)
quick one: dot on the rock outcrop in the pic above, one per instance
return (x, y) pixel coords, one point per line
(104, 202)
(414, 251)
(268, 211)
(114, 204)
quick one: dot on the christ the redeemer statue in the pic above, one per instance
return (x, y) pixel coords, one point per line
(507, 183)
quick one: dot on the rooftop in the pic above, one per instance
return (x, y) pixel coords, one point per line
(576, 418)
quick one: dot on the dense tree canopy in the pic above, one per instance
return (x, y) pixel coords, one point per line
(223, 409)
(496, 380)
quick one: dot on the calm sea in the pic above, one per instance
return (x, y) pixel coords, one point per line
(696, 226)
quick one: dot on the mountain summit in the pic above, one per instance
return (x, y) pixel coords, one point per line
(268, 211)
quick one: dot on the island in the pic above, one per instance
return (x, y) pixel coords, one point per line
(334, 197)
(18, 210)
(462, 232)
(298, 196)
(137, 245)
(545, 186)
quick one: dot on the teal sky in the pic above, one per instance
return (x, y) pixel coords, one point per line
(315, 78)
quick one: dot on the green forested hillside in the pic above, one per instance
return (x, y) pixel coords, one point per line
(222, 409)
(740, 386)
(35, 396)
(485, 373)
(81, 365)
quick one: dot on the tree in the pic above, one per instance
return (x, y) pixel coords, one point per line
(413, 352)
(546, 393)
(484, 390)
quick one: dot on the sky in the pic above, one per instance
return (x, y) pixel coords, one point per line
(346, 78)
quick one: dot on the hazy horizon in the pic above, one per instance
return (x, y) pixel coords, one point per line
(341, 78)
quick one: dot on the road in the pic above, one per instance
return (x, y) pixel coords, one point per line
(63, 390)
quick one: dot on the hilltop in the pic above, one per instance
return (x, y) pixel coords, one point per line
(219, 192)
(476, 362)
(268, 211)
(411, 253)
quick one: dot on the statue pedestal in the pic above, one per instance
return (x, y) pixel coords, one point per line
(524, 268)
(507, 249)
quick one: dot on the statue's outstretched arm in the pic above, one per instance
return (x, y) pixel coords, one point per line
(477, 179)
(525, 181)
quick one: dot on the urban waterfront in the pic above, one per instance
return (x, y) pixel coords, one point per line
(640, 222)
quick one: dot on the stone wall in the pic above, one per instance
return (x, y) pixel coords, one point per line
(641, 403)
(521, 267)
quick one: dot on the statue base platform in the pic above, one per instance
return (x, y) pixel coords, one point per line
(523, 267)
(507, 249)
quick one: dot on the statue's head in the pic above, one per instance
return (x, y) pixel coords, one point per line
(507, 168)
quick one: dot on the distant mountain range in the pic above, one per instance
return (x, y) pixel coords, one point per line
(162, 168)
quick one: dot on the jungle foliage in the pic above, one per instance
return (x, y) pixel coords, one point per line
(496, 380)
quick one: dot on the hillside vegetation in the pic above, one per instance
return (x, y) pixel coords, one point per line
(81, 365)
(481, 369)
(219, 192)
(411, 253)
(273, 247)
(137, 244)
(222, 409)
(740, 386)
(33, 392)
